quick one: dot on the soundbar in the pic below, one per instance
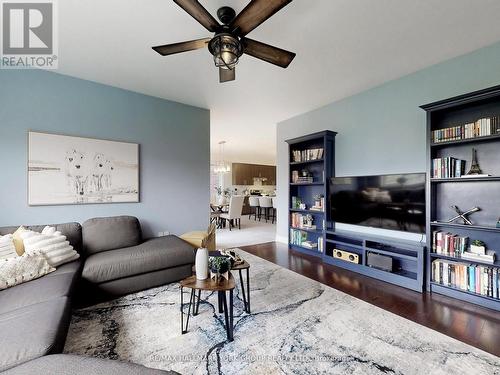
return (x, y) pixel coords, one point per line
(346, 255)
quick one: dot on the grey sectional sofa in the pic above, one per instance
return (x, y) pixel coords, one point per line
(118, 261)
(115, 260)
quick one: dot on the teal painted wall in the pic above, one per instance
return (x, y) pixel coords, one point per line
(174, 148)
(382, 130)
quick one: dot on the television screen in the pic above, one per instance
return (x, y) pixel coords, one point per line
(395, 202)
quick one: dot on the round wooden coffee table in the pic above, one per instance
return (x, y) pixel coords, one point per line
(221, 287)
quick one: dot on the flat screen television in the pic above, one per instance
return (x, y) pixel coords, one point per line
(395, 202)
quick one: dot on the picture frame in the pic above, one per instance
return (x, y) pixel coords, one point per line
(67, 169)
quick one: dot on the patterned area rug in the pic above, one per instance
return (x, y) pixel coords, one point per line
(297, 326)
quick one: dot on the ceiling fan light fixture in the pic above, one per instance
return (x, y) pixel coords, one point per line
(226, 50)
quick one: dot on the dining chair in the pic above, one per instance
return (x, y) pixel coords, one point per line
(253, 202)
(265, 204)
(233, 216)
(275, 202)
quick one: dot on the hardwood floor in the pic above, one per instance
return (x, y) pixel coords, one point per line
(466, 322)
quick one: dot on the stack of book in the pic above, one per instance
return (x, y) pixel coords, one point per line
(309, 244)
(304, 180)
(297, 237)
(307, 155)
(482, 280)
(481, 128)
(302, 221)
(447, 168)
(449, 243)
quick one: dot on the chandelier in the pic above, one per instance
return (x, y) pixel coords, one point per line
(221, 166)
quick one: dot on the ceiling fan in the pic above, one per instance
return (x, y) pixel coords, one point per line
(229, 41)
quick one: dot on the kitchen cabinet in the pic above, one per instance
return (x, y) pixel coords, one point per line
(244, 174)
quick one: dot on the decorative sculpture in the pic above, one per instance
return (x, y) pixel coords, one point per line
(474, 168)
(463, 214)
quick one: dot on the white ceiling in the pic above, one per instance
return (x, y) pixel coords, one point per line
(343, 47)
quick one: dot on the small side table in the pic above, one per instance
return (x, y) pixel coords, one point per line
(221, 287)
(246, 296)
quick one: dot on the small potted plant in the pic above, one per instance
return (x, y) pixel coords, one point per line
(219, 265)
(478, 247)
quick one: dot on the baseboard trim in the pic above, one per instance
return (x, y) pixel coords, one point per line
(282, 239)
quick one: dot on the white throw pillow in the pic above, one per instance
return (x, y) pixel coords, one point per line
(18, 270)
(7, 248)
(53, 245)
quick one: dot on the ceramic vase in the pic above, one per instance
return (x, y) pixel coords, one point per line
(201, 264)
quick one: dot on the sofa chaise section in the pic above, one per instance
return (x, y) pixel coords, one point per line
(134, 265)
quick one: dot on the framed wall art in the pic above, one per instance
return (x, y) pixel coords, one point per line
(65, 169)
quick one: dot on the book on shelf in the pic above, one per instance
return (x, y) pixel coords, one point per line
(475, 175)
(307, 155)
(483, 280)
(448, 243)
(321, 248)
(300, 221)
(489, 257)
(309, 244)
(303, 180)
(481, 128)
(447, 168)
(295, 176)
(297, 237)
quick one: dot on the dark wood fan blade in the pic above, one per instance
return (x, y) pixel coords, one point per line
(256, 12)
(170, 49)
(226, 75)
(200, 14)
(273, 55)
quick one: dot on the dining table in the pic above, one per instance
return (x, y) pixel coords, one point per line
(216, 210)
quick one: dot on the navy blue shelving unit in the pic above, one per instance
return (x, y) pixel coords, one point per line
(483, 192)
(322, 169)
(408, 257)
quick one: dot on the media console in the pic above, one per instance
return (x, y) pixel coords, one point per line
(407, 257)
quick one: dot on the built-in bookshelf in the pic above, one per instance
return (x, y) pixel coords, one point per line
(311, 163)
(464, 258)
(407, 257)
